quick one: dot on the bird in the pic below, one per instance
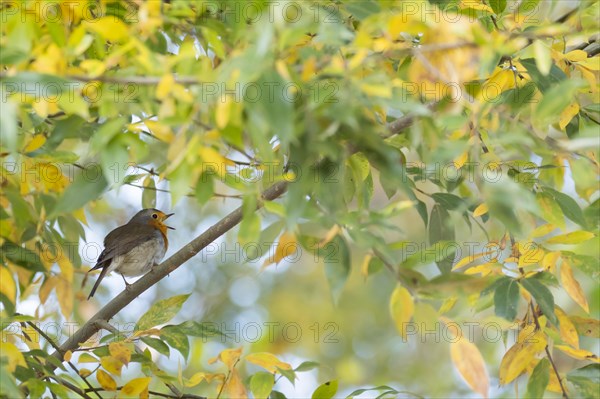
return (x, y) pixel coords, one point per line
(134, 248)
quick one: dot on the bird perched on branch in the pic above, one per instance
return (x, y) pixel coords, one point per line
(134, 248)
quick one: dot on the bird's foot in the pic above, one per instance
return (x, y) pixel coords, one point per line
(127, 285)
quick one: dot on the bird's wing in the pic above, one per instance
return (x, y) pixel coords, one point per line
(123, 239)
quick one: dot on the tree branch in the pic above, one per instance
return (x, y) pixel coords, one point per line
(94, 324)
(160, 271)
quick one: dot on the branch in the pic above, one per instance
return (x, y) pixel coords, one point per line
(160, 271)
(94, 324)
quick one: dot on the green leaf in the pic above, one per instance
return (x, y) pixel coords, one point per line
(261, 384)
(205, 188)
(161, 312)
(22, 256)
(542, 296)
(87, 187)
(176, 339)
(586, 379)
(506, 298)
(548, 110)
(551, 211)
(540, 377)
(449, 201)
(498, 6)
(157, 345)
(106, 132)
(336, 257)
(543, 82)
(149, 194)
(306, 366)
(386, 391)
(440, 229)
(568, 206)
(277, 395)
(9, 387)
(326, 390)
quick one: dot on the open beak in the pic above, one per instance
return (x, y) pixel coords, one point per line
(168, 216)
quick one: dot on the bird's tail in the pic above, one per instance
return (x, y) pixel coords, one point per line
(97, 283)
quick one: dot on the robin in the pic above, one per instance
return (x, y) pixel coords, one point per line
(134, 248)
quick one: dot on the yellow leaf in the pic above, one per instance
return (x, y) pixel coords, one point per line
(470, 364)
(8, 287)
(85, 372)
(330, 235)
(229, 357)
(213, 157)
(589, 76)
(163, 89)
(282, 69)
(286, 246)
(550, 260)
(67, 356)
(66, 267)
(520, 355)
(481, 209)
(571, 285)
(459, 162)
(448, 304)
(268, 361)
(580, 354)
(574, 237)
(593, 64)
(402, 308)
(120, 351)
(93, 69)
(136, 386)
(586, 327)
(542, 230)
(196, 379)
(14, 355)
(568, 114)
(87, 358)
(36, 142)
(384, 91)
(160, 131)
(64, 293)
(111, 364)
(110, 28)
(476, 5)
(576, 55)
(484, 269)
(223, 112)
(235, 387)
(308, 69)
(364, 266)
(468, 259)
(106, 381)
(568, 333)
(554, 385)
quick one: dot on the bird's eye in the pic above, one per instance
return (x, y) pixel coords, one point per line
(154, 216)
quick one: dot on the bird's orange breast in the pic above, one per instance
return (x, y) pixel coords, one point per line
(163, 230)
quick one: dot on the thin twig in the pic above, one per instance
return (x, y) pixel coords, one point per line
(548, 354)
(56, 347)
(162, 190)
(72, 387)
(163, 395)
(536, 321)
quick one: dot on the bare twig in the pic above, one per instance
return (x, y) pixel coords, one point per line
(55, 346)
(548, 354)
